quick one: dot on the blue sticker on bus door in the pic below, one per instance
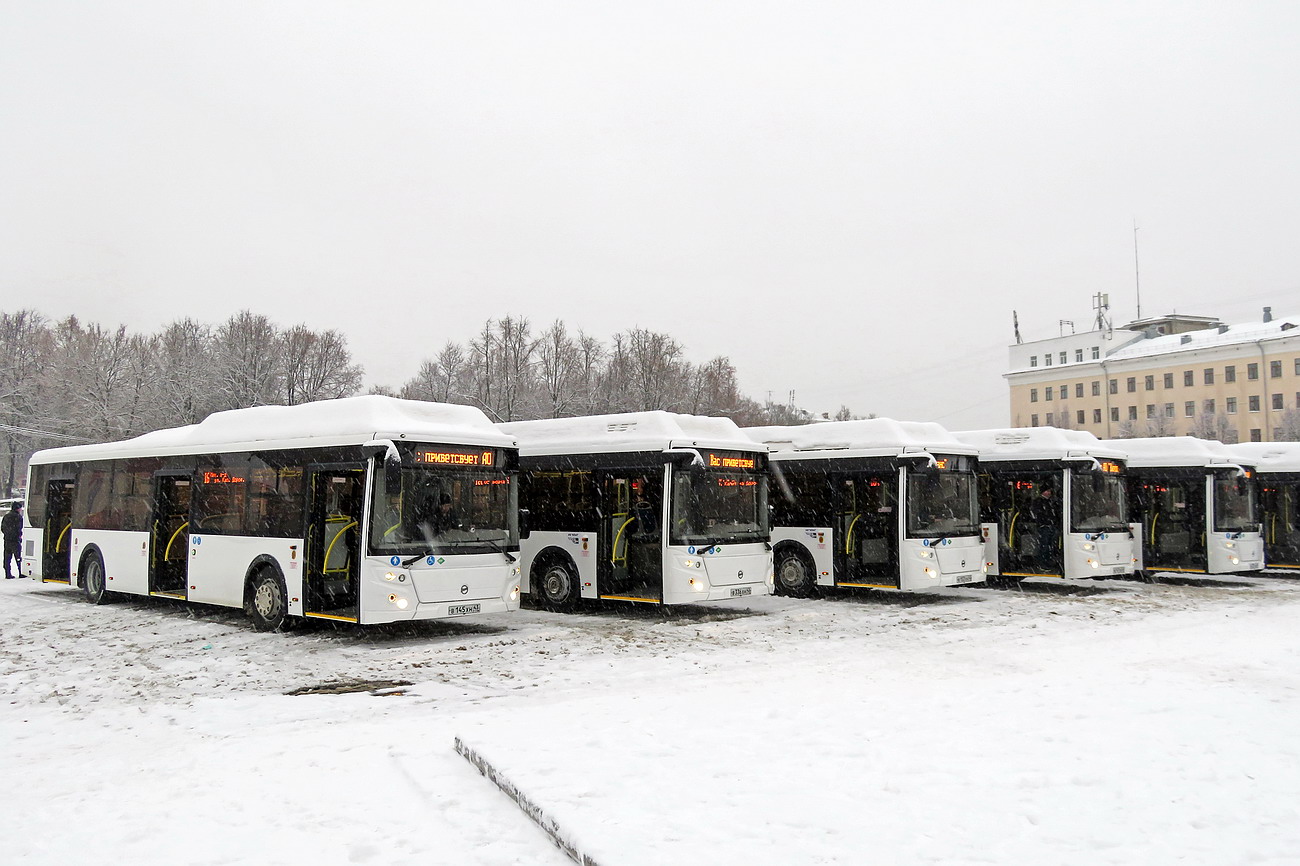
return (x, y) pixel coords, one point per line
(431, 560)
(691, 549)
(396, 560)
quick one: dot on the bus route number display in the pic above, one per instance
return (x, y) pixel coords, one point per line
(719, 460)
(450, 457)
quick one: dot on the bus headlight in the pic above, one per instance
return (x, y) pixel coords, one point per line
(514, 593)
(929, 572)
(692, 563)
(390, 576)
(697, 585)
(1088, 545)
(399, 600)
(1234, 560)
(1094, 563)
(925, 553)
(1230, 544)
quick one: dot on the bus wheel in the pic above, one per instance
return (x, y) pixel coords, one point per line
(794, 575)
(558, 586)
(267, 600)
(93, 583)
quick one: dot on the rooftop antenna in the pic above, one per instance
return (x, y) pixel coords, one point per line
(1101, 303)
(1061, 325)
(1137, 274)
(1015, 323)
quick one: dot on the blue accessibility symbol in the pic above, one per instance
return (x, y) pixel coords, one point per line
(925, 542)
(396, 560)
(430, 560)
(198, 540)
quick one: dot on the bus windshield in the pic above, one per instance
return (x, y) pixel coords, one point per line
(1234, 503)
(433, 510)
(941, 503)
(716, 507)
(1098, 502)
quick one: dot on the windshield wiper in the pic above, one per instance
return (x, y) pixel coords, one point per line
(407, 563)
(498, 548)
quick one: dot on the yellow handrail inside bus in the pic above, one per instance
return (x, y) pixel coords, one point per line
(614, 552)
(1155, 518)
(167, 551)
(325, 565)
(59, 543)
(1011, 531)
(1272, 531)
(848, 536)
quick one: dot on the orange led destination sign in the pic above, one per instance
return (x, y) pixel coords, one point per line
(733, 482)
(731, 461)
(454, 458)
(221, 478)
(1111, 466)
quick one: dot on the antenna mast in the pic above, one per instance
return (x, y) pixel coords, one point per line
(1101, 303)
(1137, 274)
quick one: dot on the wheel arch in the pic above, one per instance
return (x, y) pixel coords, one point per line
(254, 568)
(90, 549)
(547, 555)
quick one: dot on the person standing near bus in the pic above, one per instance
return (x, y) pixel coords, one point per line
(11, 526)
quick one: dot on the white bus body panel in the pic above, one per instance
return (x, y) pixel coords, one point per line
(33, 544)
(1247, 548)
(951, 562)
(724, 571)
(989, 536)
(1111, 551)
(219, 565)
(580, 547)
(451, 585)
(125, 556)
(1135, 530)
(817, 542)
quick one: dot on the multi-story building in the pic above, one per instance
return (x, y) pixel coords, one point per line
(1172, 375)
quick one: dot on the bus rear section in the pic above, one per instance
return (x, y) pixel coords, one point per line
(641, 508)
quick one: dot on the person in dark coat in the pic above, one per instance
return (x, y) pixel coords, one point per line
(12, 528)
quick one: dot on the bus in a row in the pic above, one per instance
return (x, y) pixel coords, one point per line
(1278, 466)
(364, 510)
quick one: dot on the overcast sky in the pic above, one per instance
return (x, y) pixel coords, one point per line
(848, 199)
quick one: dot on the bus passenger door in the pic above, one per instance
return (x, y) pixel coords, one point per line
(630, 531)
(1175, 524)
(169, 536)
(331, 582)
(869, 529)
(56, 564)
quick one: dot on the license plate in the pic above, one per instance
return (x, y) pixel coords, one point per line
(1119, 569)
(742, 590)
(459, 609)
(965, 578)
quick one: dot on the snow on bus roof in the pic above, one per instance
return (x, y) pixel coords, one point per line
(347, 419)
(1175, 451)
(1029, 443)
(1269, 456)
(626, 431)
(881, 435)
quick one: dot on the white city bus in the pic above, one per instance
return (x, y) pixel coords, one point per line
(1054, 504)
(365, 510)
(872, 503)
(1279, 496)
(1196, 503)
(648, 507)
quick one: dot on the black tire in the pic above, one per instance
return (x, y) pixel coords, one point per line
(94, 581)
(268, 601)
(795, 574)
(556, 584)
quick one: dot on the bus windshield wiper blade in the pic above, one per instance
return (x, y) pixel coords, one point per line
(499, 549)
(407, 563)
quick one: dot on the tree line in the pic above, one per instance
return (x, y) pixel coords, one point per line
(67, 381)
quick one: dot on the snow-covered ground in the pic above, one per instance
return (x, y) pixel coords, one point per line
(1112, 722)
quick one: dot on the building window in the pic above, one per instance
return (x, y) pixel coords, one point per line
(1078, 389)
(1063, 357)
(1232, 437)
(1230, 373)
(1169, 380)
(1254, 435)
(1114, 386)
(1047, 359)
(1253, 402)
(1189, 408)
(1096, 416)
(1297, 366)
(1096, 353)
(1049, 419)
(1078, 356)
(1169, 410)
(1252, 371)
(1230, 405)
(1297, 399)
(1033, 360)
(1078, 417)
(1275, 369)
(1209, 375)
(1277, 401)
(1033, 395)
(1132, 384)
(1149, 382)
(1209, 407)
(1132, 413)
(1151, 410)
(1096, 387)
(1114, 413)
(1187, 378)
(1049, 392)
(1033, 420)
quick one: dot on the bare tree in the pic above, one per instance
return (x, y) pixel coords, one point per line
(317, 366)
(1209, 425)
(249, 361)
